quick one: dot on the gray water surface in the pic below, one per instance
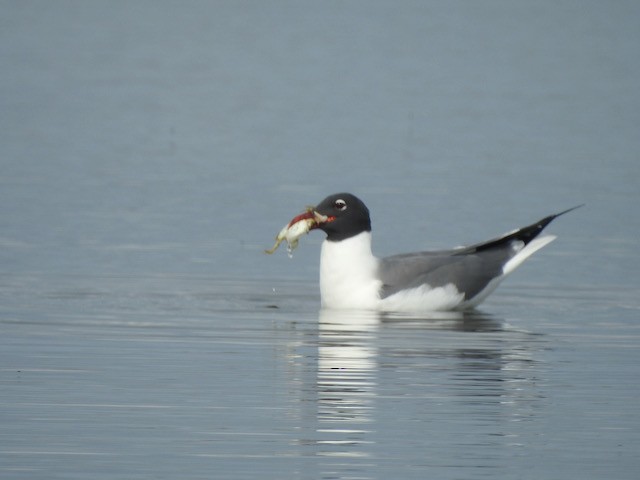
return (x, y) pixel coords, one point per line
(150, 151)
(233, 380)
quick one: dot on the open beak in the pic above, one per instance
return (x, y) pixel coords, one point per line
(310, 213)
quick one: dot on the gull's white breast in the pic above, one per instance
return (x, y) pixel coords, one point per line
(348, 274)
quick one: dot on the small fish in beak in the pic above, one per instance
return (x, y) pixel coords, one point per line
(298, 226)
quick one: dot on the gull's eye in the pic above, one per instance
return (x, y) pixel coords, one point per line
(340, 205)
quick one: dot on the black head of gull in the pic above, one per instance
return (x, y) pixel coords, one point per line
(457, 279)
(346, 214)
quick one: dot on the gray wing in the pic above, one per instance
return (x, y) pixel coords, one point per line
(469, 270)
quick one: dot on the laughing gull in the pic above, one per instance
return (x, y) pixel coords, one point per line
(351, 277)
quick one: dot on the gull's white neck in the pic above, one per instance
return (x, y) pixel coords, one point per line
(348, 273)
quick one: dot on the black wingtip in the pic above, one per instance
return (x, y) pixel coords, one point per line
(527, 234)
(547, 220)
(568, 210)
(524, 234)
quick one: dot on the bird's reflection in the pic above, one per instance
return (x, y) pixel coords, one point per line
(467, 321)
(346, 380)
(470, 364)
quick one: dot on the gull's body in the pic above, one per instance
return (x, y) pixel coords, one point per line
(351, 277)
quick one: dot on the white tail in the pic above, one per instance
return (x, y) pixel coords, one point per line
(532, 247)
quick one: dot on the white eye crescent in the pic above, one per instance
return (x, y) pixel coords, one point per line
(340, 205)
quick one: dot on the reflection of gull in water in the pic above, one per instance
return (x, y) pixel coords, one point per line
(452, 366)
(347, 383)
(473, 321)
(346, 379)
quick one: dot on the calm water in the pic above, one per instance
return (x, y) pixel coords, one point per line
(149, 152)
